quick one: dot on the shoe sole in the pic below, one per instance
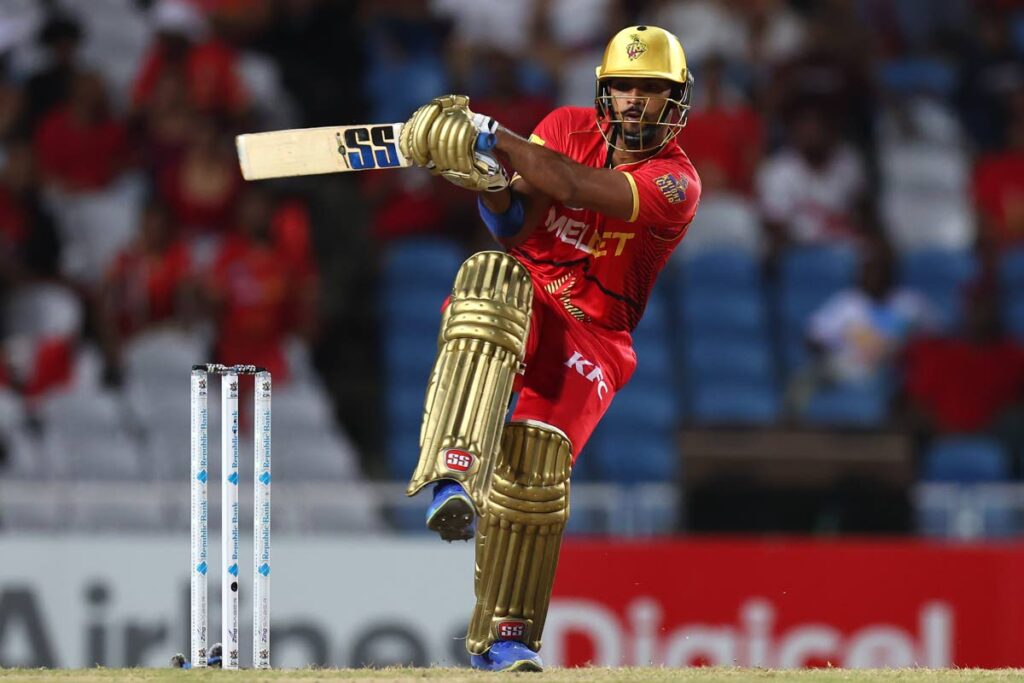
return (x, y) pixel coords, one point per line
(453, 521)
(525, 665)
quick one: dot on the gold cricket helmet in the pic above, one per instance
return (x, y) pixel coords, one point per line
(644, 52)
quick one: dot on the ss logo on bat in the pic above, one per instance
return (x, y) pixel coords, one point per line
(368, 147)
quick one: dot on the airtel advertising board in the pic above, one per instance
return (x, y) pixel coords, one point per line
(788, 604)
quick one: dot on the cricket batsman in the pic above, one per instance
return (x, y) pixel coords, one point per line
(596, 205)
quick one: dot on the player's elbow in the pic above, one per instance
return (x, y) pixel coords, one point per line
(567, 191)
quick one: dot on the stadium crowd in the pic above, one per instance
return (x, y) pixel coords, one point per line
(857, 262)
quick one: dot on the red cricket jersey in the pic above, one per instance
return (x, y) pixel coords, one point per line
(602, 268)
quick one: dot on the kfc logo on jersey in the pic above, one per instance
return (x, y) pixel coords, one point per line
(511, 630)
(458, 460)
(589, 371)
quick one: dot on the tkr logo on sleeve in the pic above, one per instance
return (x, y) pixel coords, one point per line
(595, 375)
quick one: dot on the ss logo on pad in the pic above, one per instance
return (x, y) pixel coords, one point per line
(458, 460)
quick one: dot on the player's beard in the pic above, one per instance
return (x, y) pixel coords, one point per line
(639, 135)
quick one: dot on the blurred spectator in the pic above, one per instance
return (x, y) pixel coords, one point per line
(814, 189)
(201, 186)
(916, 26)
(81, 146)
(404, 45)
(753, 36)
(504, 97)
(993, 71)
(858, 333)
(150, 282)
(999, 185)
(724, 136)
(207, 66)
(165, 127)
(322, 59)
(409, 203)
(485, 24)
(967, 382)
(51, 86)
(924, 169)
(569, 37)
(41, 317)
(12, 106)
(832, 72)
(29, 245)
(258, 298)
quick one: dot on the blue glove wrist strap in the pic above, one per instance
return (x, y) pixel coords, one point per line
(503, 225)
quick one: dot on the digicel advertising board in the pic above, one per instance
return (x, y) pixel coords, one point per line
(787, 603)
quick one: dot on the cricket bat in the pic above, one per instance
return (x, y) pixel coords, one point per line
(309, 151)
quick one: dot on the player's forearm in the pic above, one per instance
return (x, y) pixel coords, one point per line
(541, 167)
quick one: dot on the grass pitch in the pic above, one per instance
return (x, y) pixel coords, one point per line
(628, 675)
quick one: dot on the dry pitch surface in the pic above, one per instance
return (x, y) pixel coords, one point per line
(710, 675)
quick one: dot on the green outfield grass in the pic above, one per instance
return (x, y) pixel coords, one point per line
(710, 675)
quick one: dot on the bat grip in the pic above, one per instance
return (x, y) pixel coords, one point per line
(485, 142)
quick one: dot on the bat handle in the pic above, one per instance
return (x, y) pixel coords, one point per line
(485, 142)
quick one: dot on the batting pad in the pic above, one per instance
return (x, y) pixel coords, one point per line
(519, 536)
(480, 350)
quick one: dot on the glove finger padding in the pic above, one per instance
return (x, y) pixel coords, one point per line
(412, 141)
(452, 146)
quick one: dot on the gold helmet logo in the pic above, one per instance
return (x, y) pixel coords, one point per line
(636, 47)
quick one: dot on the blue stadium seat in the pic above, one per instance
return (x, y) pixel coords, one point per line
(927, 268)
(637, 455)
(423, 259)
(1013, 315)
(722, 269)
(403, 301)
(738, 312)
(654, 362)
(655, 320)
(919, 75)
(1011, 270)
(643, 405)
(587, 467)
(864, 405)
(797, 305)
(409, 352)
(824, 269)
(711, 357)
(941, 275)
(403, 451)
(965, 460)
(738, 403)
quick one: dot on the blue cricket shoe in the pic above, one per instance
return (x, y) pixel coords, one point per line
(451, 512)
(507, 655)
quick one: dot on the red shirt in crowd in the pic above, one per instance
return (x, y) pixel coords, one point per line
(999, 193)
(260, 294)
(211, 77)
(963, 386)
(80, 156)
(725, 142)
(197, 201)
(146, 286)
